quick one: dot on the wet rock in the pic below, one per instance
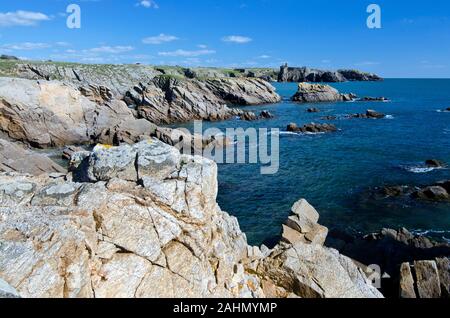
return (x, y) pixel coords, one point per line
(372, 114)
(444, 184)
(406, 282)
(434, 193)
(266, 115)
(248, 116)
(69, 151)
(434, 163)
(313, 110)
(428, 283)
(329, 118)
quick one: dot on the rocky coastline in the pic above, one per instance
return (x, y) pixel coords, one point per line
(130, 216)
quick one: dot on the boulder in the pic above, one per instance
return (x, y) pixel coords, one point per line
(434, 163)
(428, 283)
(434, 193)
(406, 282)
(374, 114)
(313, 93)
(266, 115)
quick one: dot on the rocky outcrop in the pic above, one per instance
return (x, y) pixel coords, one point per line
(425, 279)
(9, 57)
(51, 114)
(370, 114)
(15, 158)
(305, 74)
(311, 128)
(313, 93)
(168, 99)
(142, 221)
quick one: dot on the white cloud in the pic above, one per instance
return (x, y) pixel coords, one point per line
(202, 46)
(112, 49)
(22, 18)
(159, 39)
(239, 39)
(264, 56)
(185, 53)
(25, 46)
(367, 63)
(148, 4)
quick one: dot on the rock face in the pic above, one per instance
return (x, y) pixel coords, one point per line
(14, 158)
(311, 128)
(370, 114)
(147, 225)
(305, 74)
(51, 114)
(313, 93)
(168, 99)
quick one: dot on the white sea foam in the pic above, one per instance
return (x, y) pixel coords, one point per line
(390, 117)
(420, 168)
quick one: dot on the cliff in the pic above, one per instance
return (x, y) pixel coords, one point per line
(305, 74)
(142, 221)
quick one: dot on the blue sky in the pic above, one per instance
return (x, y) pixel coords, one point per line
(414, 40)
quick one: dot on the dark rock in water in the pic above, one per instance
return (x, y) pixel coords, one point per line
(428, 284)
(266, 115)
(374, 99)
(434, 163)
(435, 193)
(313, 110)
(349, 97)
(355, 75)
(9, 57)
(444, 184)
(248, 116)
(312, 128)
(329, 118)
(394, 191)
(373, 114)
(69, 151)
(314, 93)
(448, 109)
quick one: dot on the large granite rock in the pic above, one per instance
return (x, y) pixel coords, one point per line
(147, 225)
(314, 93)
(15, 158)
(51, 114)
(169, 99)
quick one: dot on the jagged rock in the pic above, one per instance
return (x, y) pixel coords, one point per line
(355, 75)
(248, 116)
(406, 282)
(443, 265)
(69, 151)
(434, 163)
(54, 114)
(169, 99)
(266, 115)
(15, 158)
(435, 193)
(428, 283)
(313, 93)
(311, 128)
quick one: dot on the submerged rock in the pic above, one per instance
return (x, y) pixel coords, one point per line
(313, 110)
(434, 193)
(373, 99)
(434, 163)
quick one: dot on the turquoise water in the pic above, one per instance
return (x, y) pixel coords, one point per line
(337, 172)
